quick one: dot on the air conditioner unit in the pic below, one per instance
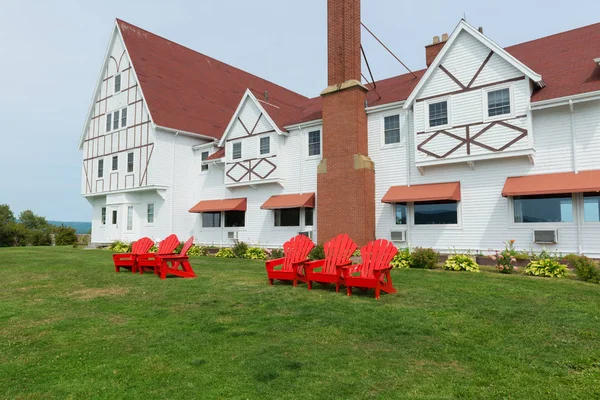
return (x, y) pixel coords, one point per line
(398, 236)
(306, 233)
(233, 235)
(545, 236)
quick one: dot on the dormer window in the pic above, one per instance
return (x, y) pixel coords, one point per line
(237, 151)
(265, 145)
(498, 102)
(438, 114)
(117, 83)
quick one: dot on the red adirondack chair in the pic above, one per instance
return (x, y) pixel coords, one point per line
(150, 260)
(374, 272)
(296, 252)
(170, 264)
(337, 255)
(129, 260)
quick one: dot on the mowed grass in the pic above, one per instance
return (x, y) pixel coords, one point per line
(70, 327)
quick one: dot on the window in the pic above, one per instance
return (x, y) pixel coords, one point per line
(100, 168)
(211, 220)
(235, 219)
(265, 145)
(123, 117)
(103, 216)
(438, 114)
(116, 120)
(117, 83)
(108, 122)
(129, 162)
(391, 129)
(204, 167)
(314, 143)
(400, 214)
(533, 209)
(309, 216)
(114, 217)
(591, 207)
(287, 217)
(237, 150)
(150, 213)
(129, 218)
(436, 213)
(115, 163)
(498, 102)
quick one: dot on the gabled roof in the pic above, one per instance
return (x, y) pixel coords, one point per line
(463, 26)
(189, 91)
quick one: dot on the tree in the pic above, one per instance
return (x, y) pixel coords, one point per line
(33, 221)
(65, 235)
(7, 221)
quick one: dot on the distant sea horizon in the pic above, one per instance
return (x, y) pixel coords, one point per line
(80, 227)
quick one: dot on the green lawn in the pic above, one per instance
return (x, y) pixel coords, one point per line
(71, 327)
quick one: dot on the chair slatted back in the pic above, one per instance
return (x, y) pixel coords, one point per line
(186, 247)
(142, 246)
(296, 249)
(377, 254)
(338, 251)
(168, 245)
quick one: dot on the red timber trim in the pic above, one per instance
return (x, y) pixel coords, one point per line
(470, 89)
(251, 169)
(477, 123)
(251, 132)
(88, 183)
(110, 183)
(471, 140)
(455, 79)
(487, 59)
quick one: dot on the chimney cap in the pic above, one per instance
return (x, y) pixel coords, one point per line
(480, 29)
(436, 39)
(444, 37)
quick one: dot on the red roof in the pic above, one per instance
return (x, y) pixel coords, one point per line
(427, 192)
(217, 154)
(560, 183)
(189, 91)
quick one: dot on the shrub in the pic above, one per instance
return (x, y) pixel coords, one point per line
(240, 249)
(273, 254)
(585, 268)
(546, 267)
(65, 236)
(317, 253)
(119, 247)
(196, 251)
(225, 252)
(403, 259)
(39, 237)
(424, 258)
(255, 253)
(506, 258)
(461, 262)
(153, 249)
(179, 248)
(356, 253)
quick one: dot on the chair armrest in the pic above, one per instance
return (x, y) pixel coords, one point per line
(296, 263)
(123, 256)
(350, 269)
(171, 257)
(309, 266)
(273, 263)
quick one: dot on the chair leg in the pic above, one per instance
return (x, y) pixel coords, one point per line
(271, 282)
(309, 284)
(377, 292)
(295, 283)
(349, 290)
(337, 287)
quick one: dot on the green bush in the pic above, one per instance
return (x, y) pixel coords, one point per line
(546, 267)
(255, 253)
(225, 252)
(424, 258)
(39, 237)
(240, 249)
(403, 259)
(179, 248)
(196, 251)
(153, 249)
(356, 253)
(119, 247)
(585, 268)
(273, 254)
(317, 253)
(461, 262)
(65, 236)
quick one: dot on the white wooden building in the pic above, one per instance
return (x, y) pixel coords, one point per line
(485, 145)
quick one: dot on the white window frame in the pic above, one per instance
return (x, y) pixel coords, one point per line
(204, 167)
(401, 117)
(484, 102)
(112, 163)
(221, 221)
(581, 205)
(411, 219)
(306, 143)
(120, 83)
(260, 138)
(429, 128)
(288, 227)
(394, 216)
(118, 115)
(148, 223)
(123, 125)
(129, 221)
(241, 157)
(109, 118)
(103, 218)
(542, 225)
(100, 161)
(131, 153)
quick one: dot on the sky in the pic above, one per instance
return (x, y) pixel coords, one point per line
(51, 53)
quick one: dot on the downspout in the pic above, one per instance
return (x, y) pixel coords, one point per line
(408, 151)
(576, 170)
(173, 184)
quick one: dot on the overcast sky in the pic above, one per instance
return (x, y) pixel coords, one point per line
(51, 53)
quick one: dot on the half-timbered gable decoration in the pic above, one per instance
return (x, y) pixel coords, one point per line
(251, 141)
(472, 103)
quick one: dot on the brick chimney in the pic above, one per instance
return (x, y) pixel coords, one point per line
(432, 50)
(345, 176)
